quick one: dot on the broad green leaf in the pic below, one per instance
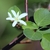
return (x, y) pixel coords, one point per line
(44, 32)
(30, 25)
(46, 41)
(42, 17)
(15, 8)
(32, 35)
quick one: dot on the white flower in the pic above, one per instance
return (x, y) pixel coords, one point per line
(17, 18)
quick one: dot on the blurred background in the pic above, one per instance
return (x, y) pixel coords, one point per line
(7, 32)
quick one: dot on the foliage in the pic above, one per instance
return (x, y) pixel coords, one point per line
(46, 41)
(32, 30)
(41, 17)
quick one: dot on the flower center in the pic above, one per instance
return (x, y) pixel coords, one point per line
(16, 19)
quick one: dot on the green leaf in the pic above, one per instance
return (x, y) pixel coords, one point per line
(15, 8)
(46, 41)
(30, 25)
(32, 35)
(42, 17)
(44, 32)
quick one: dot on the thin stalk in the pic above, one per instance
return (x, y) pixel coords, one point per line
(13, 43)
(26, 5)
(49, 6)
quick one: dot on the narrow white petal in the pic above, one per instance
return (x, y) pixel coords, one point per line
(22, 22)
(9, 14)
(14, 23)
(10, 19)
(17, 14)
(23, 15)
(13, 12)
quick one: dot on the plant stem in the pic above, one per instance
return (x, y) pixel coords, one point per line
(26, 3)
(16, 41)
(49, 6)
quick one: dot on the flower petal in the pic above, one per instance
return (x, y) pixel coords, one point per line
(14, 23)
(13, 12)
(23, 15)
(10, 19)
(9, 14)
(22, 22)
(17, 14)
